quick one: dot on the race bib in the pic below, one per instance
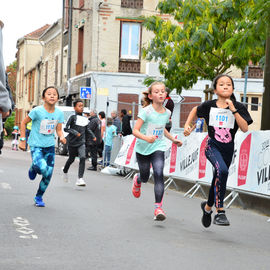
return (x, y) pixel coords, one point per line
(155, 130)
(81, 121)
(48, 126)
(222, 118)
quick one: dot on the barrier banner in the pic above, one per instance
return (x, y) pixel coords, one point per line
(249, 170)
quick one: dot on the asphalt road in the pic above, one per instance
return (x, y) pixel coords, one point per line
(102, 226)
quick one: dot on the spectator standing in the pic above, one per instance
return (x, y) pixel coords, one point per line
(101, 116)
(169, 104)
(92, 146)
(116, 122)
(126, 128)
(110, 133)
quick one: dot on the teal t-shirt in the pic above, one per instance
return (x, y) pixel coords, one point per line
(43, 126)
(110, 133)
(154, 124)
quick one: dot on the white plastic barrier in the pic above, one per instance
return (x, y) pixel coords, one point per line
(249, 170)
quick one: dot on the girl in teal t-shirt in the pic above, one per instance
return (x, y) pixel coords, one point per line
(150, 146)
(46, 120)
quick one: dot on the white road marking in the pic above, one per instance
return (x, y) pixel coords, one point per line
(22, 227)
(5, 185)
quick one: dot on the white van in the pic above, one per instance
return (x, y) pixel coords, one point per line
(61, 148)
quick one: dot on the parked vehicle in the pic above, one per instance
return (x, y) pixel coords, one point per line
(61, 148)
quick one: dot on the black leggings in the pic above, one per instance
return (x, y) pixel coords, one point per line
(220, 156)
(157, 161)
(74, 152)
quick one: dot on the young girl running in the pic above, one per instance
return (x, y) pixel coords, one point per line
(150, 146)
(223, 116)
(45, 120)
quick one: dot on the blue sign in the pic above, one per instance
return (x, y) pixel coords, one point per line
(85, 92)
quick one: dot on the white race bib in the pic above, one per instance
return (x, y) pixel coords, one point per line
(222, 118)
(48, 126)
(155, 130)
(81, 121)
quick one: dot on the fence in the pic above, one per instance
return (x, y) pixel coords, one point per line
(249, 171)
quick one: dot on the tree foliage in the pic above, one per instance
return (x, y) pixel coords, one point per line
(11, 70)
(205, 38)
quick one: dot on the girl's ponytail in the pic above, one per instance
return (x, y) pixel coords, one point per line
(146, 100)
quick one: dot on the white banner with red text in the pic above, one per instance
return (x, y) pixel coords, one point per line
(249, 170)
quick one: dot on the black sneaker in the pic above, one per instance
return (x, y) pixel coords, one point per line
(221, 219)
(206, 218)
(92, 168)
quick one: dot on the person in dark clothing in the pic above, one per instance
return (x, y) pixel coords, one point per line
(92, 146)
(4, 119)
(169, 104)
(126, 128)
(116, 122)
(101, 116)
(76, 126)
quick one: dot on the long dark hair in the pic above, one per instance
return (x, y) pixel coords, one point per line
(214, 84)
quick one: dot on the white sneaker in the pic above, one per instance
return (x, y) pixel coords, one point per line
(64, 175)
(80, 182)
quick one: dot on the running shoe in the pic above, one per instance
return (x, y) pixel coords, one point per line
(80, 182)
(221, 219)
(39, 202)
(32, 173)
(206, 218)
(159, 214)
(136, 188)
(65, 175)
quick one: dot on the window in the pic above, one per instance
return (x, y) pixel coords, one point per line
(46, 74)
(132, 3)
(56, 71)
(81, 3)
(31, 85)
(255, 103)
(130, 41)
(245, 103)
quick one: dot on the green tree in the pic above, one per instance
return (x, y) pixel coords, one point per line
(9, 124)
(200, 42)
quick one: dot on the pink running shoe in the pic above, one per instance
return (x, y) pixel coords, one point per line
(136, 188)
(159, 214)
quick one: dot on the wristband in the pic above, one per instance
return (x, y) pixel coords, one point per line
(235, 111)
(22, 139)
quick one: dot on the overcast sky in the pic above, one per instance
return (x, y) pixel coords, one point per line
(22, 17)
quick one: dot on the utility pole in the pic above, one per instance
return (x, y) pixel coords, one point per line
(265, 123)
(69, 36)
(62, 42)
(70, 10)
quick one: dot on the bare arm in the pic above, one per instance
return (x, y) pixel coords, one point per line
(170, 137)
(60, 133)
(241, 122)
(136, 132)
(188, 128)
(22, 144)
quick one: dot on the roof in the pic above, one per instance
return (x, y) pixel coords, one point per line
(37, 33)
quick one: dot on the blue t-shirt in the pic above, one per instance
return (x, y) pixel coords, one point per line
(154, 124)
(44, 126)
(110, 133)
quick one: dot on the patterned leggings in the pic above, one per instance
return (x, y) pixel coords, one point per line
(43, 163)
(220, 156)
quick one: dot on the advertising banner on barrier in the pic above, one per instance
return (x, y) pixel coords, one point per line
(249, 170)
